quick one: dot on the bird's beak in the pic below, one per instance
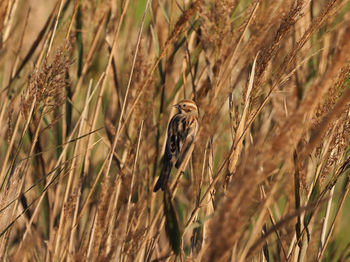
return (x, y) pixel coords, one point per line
(176, 106)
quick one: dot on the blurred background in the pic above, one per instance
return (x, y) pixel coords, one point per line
(86, 94)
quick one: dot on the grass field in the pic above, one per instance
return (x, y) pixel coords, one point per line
(86, 94)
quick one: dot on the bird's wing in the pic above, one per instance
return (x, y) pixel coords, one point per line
(174, 140)
(189, 133)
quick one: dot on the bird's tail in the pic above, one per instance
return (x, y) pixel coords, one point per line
(164, 176)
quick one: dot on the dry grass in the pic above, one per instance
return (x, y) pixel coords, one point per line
(86, 94)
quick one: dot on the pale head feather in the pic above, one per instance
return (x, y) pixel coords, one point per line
(187, 106)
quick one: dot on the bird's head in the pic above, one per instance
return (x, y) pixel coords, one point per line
(187, 107)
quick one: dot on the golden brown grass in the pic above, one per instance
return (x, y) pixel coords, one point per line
(86, 94)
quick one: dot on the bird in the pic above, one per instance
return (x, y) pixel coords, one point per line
(182, 130)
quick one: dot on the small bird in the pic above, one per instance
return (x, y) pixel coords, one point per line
(182, 130)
